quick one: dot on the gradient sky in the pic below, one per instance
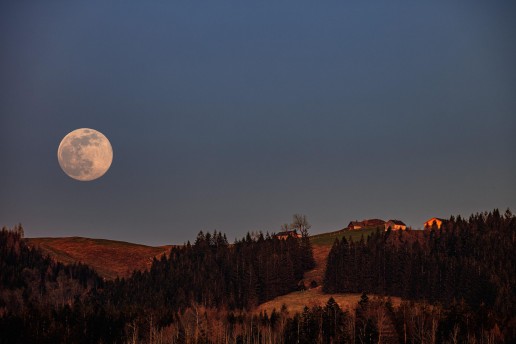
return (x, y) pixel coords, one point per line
(235, 115)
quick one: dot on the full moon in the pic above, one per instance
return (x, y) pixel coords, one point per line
(85, 154)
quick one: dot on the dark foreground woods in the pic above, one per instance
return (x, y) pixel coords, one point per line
(45, 301)
(459, 283)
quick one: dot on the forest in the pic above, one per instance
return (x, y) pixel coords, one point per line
(467, 264)
(456, 285)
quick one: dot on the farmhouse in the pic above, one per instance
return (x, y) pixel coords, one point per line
(288, 234)
(395, 225)
(355, 225)
(434, 220)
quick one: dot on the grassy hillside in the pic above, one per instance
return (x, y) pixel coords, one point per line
(321, 244)
(296, 301)
(108, 257)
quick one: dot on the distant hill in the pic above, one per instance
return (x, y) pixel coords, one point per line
(109, 258)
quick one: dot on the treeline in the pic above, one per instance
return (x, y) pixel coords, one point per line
(37, 292)
(370, 321)
(27, 276)
(319, 324)
(467, 260)
(214, 273)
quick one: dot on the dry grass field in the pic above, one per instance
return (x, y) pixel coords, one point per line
(296, 301)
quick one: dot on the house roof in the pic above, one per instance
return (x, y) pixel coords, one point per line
(374, 222)
(436, 218)
(397, 222)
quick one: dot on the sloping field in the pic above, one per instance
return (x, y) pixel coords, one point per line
(108, 257)
(321, 245)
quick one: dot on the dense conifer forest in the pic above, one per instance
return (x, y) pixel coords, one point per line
(468, 263)
(457, 285)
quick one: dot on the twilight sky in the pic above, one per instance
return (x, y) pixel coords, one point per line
(235, 115)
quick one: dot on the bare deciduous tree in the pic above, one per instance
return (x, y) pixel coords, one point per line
(300, 223)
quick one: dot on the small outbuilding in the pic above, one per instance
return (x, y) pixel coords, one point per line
(395, 225)
(353, 225)
(288, 234)
(434, 220)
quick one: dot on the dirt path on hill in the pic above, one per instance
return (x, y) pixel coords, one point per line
(317, 274)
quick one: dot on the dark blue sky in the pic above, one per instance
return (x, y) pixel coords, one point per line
(235, 115)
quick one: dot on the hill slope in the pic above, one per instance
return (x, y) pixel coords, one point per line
(112, 258)
(108, 257)
(321, 244)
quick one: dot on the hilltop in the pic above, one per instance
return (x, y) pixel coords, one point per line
(109, 258)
